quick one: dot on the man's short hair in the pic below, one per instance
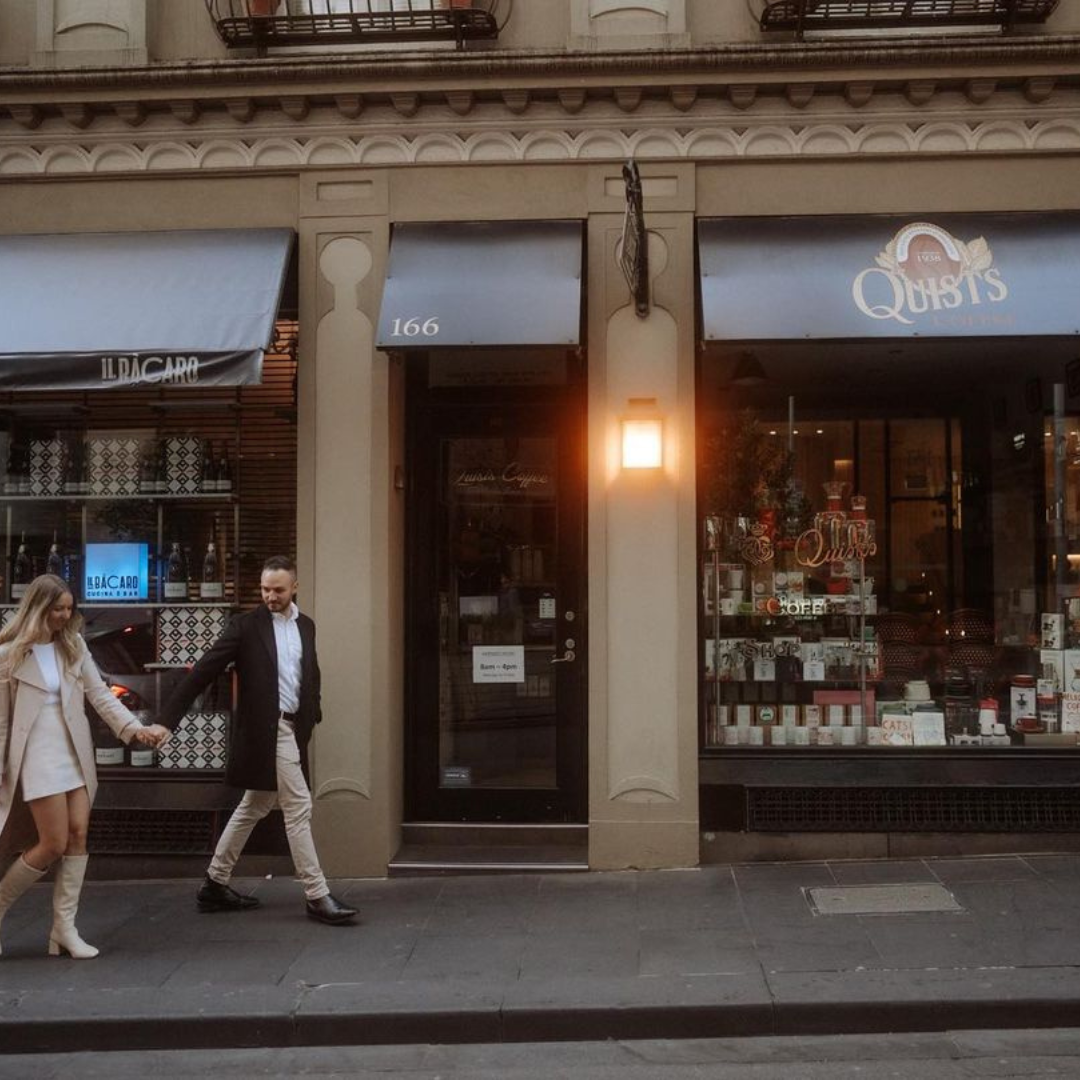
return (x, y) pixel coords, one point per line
(280, 562)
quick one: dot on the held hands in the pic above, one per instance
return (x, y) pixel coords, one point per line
(153, 735)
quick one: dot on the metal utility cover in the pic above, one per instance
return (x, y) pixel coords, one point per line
(882, 900)
(482, 283)
(95, 311)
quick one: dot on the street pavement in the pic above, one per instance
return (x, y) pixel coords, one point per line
(987, 943)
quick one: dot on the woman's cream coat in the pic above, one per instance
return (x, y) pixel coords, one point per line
(22, 693)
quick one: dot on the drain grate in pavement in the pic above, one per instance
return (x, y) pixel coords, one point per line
(881, 899)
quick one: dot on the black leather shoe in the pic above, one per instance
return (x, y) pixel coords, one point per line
(213, 896)
(328, 910)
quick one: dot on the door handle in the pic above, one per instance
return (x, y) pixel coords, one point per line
(567, 657)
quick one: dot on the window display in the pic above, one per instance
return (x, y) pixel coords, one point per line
(158, 509)
(891, 582)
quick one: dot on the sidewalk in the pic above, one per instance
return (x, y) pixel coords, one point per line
(721, 951)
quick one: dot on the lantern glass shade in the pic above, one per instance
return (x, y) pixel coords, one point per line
(642, 442)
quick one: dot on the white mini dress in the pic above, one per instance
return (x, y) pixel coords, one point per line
(50, 765)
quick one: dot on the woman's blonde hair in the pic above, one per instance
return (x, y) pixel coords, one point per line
(28, 626)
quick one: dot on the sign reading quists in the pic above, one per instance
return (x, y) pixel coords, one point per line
(117, 572)
(935, 275)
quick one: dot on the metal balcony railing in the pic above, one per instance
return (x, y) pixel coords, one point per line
(263, 24)
(799, 16)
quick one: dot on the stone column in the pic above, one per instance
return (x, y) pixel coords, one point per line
(350, 522)
(642, 580)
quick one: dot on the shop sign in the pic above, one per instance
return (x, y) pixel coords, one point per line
(924, 268)
(115, 572)
(634, 247)
(121, 371)
(848, 541)
(499, 664)
(514, 477)
(946, 275)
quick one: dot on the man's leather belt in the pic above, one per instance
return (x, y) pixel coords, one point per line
(290, 716)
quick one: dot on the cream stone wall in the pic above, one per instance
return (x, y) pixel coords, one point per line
(353, 513)
(17, 28)
(642, 684)
(79, 33)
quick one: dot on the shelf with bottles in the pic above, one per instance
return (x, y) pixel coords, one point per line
(88, 464)
(197, 745)
(112, 557)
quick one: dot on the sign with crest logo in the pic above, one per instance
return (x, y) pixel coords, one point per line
(947, 275)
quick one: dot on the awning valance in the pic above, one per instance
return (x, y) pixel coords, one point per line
(98, 310)
(483, 283)
(939, 275)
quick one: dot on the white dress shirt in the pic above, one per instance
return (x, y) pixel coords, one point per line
(289, 651)
(50, 670)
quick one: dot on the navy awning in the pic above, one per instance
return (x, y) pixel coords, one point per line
(933, 275)
(98, 310)
(483, 283)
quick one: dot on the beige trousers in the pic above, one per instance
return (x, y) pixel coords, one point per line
(294, 798)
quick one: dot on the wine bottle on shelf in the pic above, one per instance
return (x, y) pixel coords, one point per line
(73, 463)
(22, 572)
(211, 587)
(54, 564)
(176, 574)
(161, 467)
(13, 481)
(208, 479)
(148, 470)
(224, 472)
(139, 756)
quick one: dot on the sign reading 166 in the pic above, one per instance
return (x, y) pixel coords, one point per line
(414, 327)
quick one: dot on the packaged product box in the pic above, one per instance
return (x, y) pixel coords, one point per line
(811, 715)
(1052, 664)
(895, 708)
(1070, 677)
(744, 715)
(789, 715)
(1070, 712)
(846, 697)
(1052, 627)
(764, 670)
(897, 730)
(928, 728)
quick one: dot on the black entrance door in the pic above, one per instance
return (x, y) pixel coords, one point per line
(496, 643)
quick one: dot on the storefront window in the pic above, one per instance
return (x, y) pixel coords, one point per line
(158, 507)
(890, 547)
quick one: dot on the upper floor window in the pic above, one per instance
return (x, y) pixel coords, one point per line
(262, 24)
(805, 16)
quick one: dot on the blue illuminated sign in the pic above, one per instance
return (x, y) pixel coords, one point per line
(117, 572)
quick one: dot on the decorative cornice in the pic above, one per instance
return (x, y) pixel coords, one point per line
(515, 67)
(178, 153)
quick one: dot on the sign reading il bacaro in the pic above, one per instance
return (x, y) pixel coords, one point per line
(934, 276)
(106, 371)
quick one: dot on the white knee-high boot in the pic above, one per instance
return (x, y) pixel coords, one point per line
(70, 871)
(19, 877)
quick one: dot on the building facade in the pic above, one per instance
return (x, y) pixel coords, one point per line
(836, 611)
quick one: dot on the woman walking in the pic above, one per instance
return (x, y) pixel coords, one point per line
(47, 753)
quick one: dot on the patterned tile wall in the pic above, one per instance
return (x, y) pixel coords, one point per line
(198, 743)
(185, 633)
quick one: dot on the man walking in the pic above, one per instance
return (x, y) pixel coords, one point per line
(273, 650)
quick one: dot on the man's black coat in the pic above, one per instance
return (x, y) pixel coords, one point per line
(248, 643)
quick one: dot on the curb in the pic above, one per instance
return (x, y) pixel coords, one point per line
(498, 1025)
